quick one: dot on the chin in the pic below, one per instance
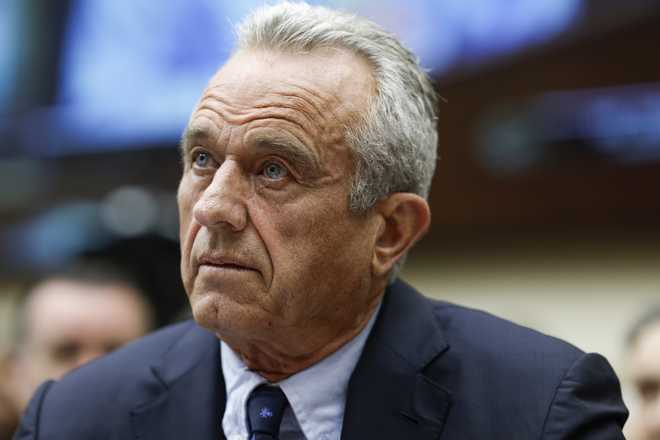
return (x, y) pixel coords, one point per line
(222, 315)
(205, 312)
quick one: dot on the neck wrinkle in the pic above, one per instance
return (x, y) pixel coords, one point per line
(275, 368)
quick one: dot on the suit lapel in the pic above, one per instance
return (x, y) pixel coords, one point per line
(187, 392)
(389, 396)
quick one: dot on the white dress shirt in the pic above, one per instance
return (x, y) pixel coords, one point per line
(317, 395)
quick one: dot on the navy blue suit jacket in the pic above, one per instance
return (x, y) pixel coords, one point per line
(429, 370)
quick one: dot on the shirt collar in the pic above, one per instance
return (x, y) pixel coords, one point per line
(317, 395)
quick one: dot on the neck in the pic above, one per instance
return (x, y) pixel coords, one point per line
(275, 362)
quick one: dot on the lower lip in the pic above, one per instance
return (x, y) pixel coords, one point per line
(225, 269)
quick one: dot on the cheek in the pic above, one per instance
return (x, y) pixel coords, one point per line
(314, 240)
(184, 198)
(294, 233)
(185, 201)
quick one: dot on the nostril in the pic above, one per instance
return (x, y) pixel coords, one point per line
(221, 211)
(202, 212)
(222, 202)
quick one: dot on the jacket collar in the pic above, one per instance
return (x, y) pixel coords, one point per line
(187, 392)
(389, 396)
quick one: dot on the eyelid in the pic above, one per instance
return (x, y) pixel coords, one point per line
(284, 169)
(195, 151)
(295, 157)
(278, 183)
(279, 161)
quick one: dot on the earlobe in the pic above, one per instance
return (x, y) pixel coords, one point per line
(406, 217)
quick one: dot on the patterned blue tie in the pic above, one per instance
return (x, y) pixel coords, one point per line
(265, 408)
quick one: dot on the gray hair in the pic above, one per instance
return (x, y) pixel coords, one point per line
(395, 143)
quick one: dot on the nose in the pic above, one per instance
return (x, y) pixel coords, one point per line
(222, 203)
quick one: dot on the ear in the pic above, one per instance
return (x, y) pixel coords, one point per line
(406, 218)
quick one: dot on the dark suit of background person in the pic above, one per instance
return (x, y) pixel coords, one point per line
(453, 374)
(306, 165)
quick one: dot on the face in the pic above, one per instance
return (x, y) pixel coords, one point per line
(271, 254)
(70, 323)
(645, 373)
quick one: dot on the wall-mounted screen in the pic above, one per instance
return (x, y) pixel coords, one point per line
(131, 70)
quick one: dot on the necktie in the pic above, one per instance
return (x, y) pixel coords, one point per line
(265, 409)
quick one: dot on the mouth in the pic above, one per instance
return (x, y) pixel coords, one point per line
(227, 266)
(223, 263)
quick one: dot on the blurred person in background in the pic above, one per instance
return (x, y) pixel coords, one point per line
(68, 318)
(8, 411)
(643, 359)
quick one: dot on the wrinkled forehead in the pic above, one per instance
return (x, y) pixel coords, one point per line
(326, 80)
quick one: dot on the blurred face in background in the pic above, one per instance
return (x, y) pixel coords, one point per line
(645, 374)
(68, 323)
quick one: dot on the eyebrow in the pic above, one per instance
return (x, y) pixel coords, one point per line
(304, 160)
(190, 136)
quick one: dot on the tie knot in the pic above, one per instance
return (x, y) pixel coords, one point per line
(265, 409)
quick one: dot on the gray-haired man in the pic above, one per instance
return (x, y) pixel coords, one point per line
(307, 162)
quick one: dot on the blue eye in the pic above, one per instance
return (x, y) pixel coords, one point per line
(275, 171)
(201, 159)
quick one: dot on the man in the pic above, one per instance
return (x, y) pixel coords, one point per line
(306, 166)
(67, 319)
(643, 344)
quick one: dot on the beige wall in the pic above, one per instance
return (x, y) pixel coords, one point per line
(6, 317)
